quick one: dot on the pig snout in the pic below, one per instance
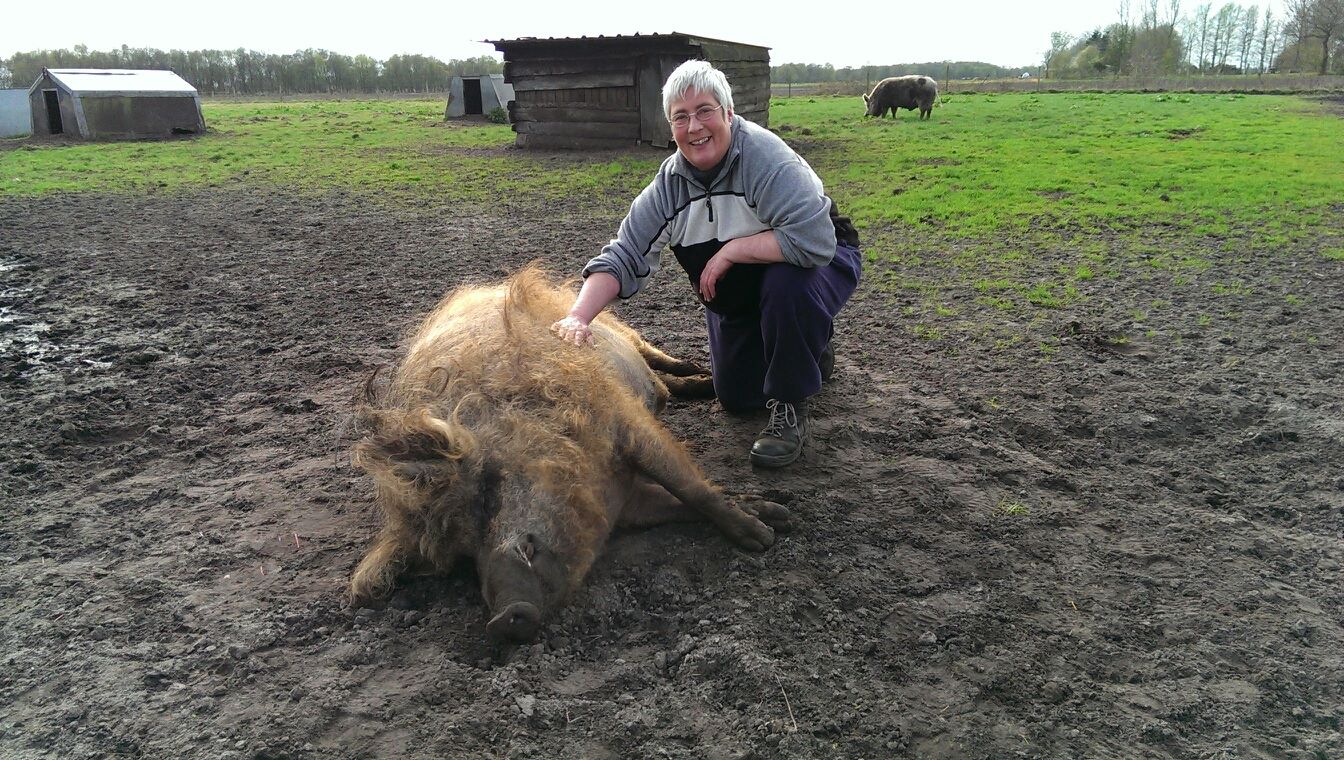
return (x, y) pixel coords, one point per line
(518, 622)
(515, 591)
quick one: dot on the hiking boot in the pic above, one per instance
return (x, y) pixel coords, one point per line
(782, 440)
(827, 362)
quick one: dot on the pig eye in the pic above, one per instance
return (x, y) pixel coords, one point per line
(528, 547)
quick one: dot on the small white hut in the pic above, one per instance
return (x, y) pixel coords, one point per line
(114, 104)
(477, 95)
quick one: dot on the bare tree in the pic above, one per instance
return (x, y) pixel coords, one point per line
(1059, 42)
(1249, 23)
(1200, 27)
(1175, 14)
(1149, 15)
(1276, 47)
(1266, 30)
(1224, 32)
(1297, 25)
(1322, 20)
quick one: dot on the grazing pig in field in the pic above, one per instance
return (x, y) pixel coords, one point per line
(908, 92)
(495, 440)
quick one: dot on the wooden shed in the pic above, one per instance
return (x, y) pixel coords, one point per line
(602, 92)
(114, 104)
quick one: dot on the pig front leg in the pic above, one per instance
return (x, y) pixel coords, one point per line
(655, 454)
(373, 578)
(650, 504)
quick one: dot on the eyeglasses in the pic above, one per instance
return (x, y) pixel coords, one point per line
(702, 114)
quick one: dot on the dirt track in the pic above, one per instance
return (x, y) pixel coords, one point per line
(1129, 550)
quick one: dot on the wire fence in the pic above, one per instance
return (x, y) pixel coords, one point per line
(1268, 83)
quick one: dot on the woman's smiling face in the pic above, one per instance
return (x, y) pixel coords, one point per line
(704, 144)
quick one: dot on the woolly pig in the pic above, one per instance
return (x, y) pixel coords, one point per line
(496, 441)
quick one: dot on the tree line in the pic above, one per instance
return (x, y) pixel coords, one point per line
(1159, 40)
(1230, 39)
(249, 72)
(792, 73)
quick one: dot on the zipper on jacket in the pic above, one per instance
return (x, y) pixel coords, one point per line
(709, 191)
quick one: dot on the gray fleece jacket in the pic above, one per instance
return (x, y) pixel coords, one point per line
(762, 185)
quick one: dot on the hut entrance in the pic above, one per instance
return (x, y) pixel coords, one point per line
(471, 95)
(53, 112)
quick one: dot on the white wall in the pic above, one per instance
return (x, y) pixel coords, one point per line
(16, 117)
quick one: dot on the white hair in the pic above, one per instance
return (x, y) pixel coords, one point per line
(697, 76)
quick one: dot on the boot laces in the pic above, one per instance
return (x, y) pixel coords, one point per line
(782, 417)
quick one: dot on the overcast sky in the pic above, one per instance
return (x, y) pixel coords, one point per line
(839, 32)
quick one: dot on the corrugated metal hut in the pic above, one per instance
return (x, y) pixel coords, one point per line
(113, 104)
(607, 91)
(16, 117)
(472, 95)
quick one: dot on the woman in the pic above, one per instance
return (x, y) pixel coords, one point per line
(762, 244)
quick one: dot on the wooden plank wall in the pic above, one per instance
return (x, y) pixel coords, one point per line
(572, 101)
(748, 72)
(574, 97)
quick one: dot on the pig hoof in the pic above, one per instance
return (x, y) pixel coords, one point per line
(518, 622)
(753, 535)
(768, 512)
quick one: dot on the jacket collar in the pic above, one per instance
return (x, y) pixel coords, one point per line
(682, 168)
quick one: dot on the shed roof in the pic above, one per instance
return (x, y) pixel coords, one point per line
(121, 81)
(680, 37)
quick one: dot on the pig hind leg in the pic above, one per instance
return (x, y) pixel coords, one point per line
(665, 363)
(684, 379)
(656, 359)
(690, 386)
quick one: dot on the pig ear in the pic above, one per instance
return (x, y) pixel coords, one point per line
(865, 97)
(528, 546)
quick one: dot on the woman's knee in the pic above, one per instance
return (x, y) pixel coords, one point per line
(790, 289)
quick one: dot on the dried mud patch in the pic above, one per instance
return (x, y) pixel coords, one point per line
(1334, 104)
(1130, 549)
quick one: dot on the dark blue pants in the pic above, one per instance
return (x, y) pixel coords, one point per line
(773, 353)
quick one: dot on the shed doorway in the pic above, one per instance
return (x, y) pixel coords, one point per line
(471, 94)
(653, 72)
(53, 112)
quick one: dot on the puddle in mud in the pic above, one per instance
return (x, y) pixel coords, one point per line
(23, 338)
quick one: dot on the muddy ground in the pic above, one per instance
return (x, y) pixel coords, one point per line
(1104, 549)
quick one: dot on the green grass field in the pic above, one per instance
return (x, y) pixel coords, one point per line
(390, 148)
(965, 201)
(1022, 199)
(987, 164)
